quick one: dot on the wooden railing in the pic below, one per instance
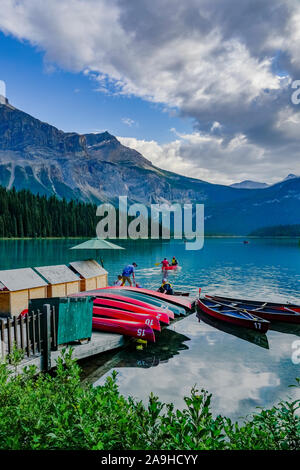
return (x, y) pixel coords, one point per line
(35, 334)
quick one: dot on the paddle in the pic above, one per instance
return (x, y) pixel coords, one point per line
(263, 306)
(237, 306)
(260, 308)
(157, 264)
(240, 309)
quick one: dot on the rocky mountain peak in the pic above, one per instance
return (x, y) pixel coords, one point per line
(97, 167)
(248, 184)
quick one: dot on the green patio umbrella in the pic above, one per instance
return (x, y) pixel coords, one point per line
(97, 244)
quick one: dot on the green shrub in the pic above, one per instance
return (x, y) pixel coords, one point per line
(58, 412)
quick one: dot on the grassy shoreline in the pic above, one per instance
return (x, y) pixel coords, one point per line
(58, 412)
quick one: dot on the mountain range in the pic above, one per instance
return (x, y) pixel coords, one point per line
(98, 168)
(248, 184)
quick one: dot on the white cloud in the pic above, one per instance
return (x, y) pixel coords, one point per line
(212, 159)
(164, 156)
(213, 60)
(190, 68)
(2, 88)
(128, 121)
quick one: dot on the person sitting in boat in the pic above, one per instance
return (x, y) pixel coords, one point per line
(118, 282)
(174, 261)
(165, 263)
(127, 272)
(166, 287)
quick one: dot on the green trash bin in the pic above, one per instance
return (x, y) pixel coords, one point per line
(73, 317)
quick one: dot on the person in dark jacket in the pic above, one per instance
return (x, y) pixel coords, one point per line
(166, 287)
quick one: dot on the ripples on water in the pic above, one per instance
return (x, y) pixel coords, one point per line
(242, 369)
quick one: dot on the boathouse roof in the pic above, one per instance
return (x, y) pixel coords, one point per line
(88, 268)
(19, 279)
(57, 274)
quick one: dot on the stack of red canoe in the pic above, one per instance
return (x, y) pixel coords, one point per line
(128, 316)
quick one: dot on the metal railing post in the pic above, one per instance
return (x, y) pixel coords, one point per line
(47, 337)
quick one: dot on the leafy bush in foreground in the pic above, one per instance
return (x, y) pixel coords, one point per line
(58, 412)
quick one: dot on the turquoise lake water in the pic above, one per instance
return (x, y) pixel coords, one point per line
(241, 369)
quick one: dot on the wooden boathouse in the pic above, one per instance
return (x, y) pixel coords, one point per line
(52, 320)
(61, 280)
(18, 286)
(92, 275)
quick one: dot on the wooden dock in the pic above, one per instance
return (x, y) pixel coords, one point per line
(36, 334)
(99, 343)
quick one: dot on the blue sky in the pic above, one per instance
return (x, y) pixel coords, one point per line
(71, 102)
(202, 88)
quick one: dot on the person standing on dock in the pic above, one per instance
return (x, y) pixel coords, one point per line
(127, 271)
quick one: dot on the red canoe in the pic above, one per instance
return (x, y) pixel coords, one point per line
(268, 311)
(256, 303)
(128, 307)
(164, 315)
(234, 316)
(169, 268)
(149, 320)
(173, 299)
(124, 327)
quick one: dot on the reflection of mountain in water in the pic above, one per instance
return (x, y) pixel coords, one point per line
(168, 345)
(244, 333)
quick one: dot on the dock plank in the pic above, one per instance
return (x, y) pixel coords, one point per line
(100, 342)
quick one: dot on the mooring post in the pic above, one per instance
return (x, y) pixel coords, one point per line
(47, 337)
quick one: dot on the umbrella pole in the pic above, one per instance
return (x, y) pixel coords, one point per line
(98, 256)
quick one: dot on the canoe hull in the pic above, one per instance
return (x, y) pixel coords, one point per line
(286, 318)
(256, 324)
(126, 328)
(141, 296)
(169, 268)
(128, 307)
(164, 314)
(271, 311)
(137, 306)
(149, 320)
(177, 300)
(257, 303)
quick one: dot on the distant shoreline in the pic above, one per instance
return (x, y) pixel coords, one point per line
(42, 238)
(245, 237)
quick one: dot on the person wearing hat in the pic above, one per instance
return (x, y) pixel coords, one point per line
(127, 271)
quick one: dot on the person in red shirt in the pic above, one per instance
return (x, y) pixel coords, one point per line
(165, 263)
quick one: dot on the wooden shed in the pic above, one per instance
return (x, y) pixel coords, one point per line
(17, 287)
(61, 280)
(92, 275)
